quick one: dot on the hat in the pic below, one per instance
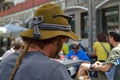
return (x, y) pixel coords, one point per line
(75, 44)
(52, 23)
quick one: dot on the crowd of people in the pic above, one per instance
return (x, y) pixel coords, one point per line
(108, 66)
(48, 36)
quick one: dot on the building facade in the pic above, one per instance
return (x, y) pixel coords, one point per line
(104, 14)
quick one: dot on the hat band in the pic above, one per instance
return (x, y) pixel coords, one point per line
(38, 24)
(45, 26)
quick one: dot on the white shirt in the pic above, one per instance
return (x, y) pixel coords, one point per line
(7, 53)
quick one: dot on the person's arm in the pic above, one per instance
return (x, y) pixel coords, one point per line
(93, 54)
(74, 57)
(99, 66)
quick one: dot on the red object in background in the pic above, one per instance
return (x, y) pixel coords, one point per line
(62, 57)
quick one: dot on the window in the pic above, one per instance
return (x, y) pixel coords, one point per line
(84, 25)
(110, 19)
(72, 22)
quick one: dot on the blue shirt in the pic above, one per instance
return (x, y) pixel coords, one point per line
(80, 54)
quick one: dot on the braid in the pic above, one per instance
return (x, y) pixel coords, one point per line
(18, 61)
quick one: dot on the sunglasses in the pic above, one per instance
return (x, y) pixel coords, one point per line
(75, 48)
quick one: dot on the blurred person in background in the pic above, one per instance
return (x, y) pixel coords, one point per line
(15, 47)
(101, 48)
(65, 47)
(2, 49)
(77, 53)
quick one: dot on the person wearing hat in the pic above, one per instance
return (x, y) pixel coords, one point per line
(42, 42)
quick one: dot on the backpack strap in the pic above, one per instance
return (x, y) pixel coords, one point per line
(104, 48)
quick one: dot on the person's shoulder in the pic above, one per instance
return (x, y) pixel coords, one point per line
(106, 43)
(71, 51)
(12, 58)
(116, 49)
(57, 63)
(96, 43)
(39, 60)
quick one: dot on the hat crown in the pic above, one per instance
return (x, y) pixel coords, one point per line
(48, 11)
(75, 44)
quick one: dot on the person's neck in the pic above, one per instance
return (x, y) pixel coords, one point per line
(45, 50)
(34, 48)
(116, 44)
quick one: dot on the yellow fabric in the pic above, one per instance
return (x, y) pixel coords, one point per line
(65, 49)
(48, 11)
(100, 52)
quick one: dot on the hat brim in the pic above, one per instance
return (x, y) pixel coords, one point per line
(46, 34)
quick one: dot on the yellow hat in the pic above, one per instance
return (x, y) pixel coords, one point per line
(50, 19)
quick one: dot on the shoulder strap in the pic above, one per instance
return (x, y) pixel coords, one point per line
(104, 48)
